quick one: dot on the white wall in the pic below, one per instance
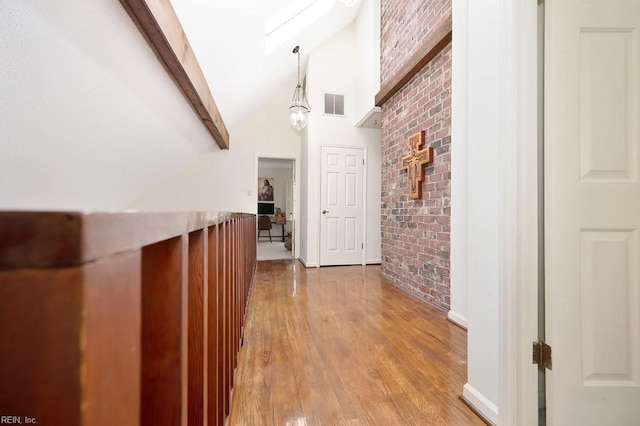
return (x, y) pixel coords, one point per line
(459, 163)
(304, 194)
(481, 199)
(367, 26)
(332, 68)
(89, 119)
(373, 243)
(227, 180)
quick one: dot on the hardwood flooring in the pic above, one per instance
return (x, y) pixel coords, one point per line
(339, 346)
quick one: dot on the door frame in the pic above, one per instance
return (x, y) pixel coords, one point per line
(296, 193)
(518, 209)
(364, 199)
(517, 203)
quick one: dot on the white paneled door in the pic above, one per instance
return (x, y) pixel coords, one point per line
(592, 236)
(341, 201)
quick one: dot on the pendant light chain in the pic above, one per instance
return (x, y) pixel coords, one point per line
(298, 52)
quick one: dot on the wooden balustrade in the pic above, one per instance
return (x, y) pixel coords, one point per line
(122, 319)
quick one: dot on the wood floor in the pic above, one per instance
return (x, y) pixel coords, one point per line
(338, 346)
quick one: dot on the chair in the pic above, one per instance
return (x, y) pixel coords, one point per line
(264, 224)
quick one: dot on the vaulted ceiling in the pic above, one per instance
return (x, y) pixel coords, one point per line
(245, 46)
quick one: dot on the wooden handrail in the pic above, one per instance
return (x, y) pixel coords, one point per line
(122, 318)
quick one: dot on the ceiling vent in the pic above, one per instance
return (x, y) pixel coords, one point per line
(333, 104)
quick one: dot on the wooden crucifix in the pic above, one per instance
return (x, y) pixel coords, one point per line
(414, 164)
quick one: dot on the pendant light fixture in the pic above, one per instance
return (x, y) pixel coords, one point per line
(299, 109)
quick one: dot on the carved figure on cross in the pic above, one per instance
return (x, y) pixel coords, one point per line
(414, 164)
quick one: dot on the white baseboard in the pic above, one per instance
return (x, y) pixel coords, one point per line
(457, 319)
(481, 404)
(307, 264)
(373, 261)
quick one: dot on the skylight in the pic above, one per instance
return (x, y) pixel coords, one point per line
(298, 16)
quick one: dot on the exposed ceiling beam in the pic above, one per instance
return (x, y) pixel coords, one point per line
(160, 26)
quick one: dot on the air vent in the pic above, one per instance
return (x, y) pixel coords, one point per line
(333, 104)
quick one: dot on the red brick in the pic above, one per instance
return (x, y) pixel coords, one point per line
(416, 233)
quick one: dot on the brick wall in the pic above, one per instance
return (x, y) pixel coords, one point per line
(404, 25)
(416, 233)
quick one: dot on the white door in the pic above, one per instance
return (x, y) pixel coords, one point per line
(341, 202)
(592, 237)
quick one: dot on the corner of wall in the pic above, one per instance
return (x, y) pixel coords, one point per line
(479, 403)
(459, 164)
(457, 319)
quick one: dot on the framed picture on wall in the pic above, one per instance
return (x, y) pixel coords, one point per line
(265, 189)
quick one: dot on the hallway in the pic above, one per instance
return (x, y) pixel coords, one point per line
(339, 346)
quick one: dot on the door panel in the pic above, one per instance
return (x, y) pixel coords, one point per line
(608, 275)
(592, 212)
(342, 204)
(606, 147)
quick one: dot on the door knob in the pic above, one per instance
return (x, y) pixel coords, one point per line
(325, 211)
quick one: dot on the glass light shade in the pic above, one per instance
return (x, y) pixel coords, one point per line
(298, 117)
(348, 3)
(299, 109)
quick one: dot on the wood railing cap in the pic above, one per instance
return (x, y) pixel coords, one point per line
(41, 239)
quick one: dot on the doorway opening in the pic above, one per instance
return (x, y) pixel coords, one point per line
(275, 200)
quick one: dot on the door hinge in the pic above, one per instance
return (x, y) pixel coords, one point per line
(542, 354)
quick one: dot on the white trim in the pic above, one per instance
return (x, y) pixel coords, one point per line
(517, 147)
(457, 319)
(365, 187)
(375, 110)
(507, 215)
(481, 404)
(307, 264)
(296, 188)
(459, 163)
(518, 233)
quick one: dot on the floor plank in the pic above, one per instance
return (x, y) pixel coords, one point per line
(340, 346)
